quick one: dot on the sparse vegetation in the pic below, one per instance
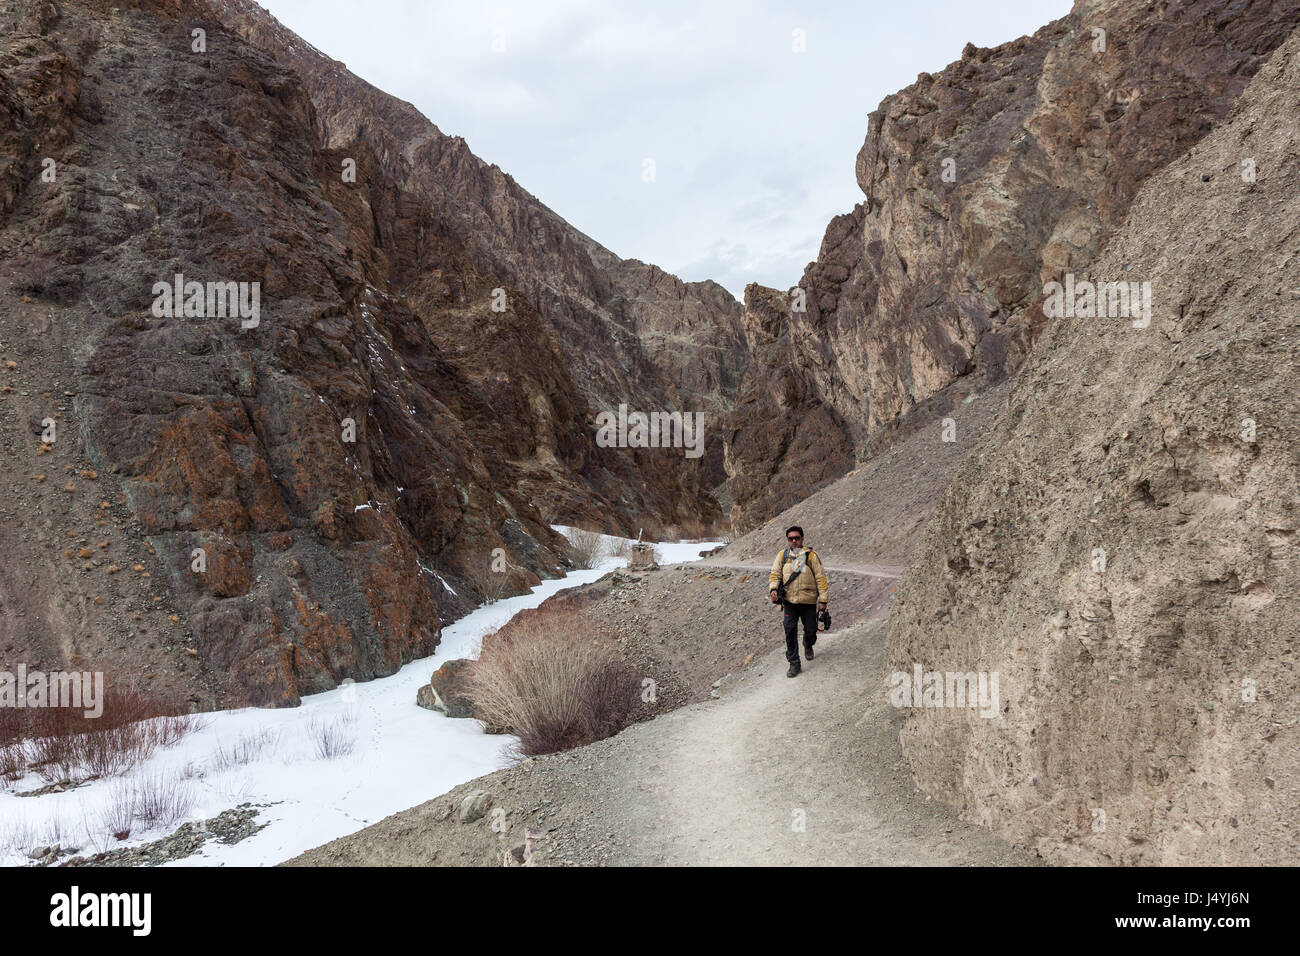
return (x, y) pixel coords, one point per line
(333, 737)
(489, 585)
(162, 801)
(63, 744)
(18, 835)
(245, 750)
(553, 683)
(588, 547)
(118, 817)
(21, 835)
(145, 803)
(12, 762)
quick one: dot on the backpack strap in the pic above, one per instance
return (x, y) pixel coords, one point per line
(788, 580)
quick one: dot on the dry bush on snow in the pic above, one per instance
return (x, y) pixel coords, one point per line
(489, 585)
(18, 835)
(145, 803)
(334, 737)
(553, 683)
(162, 801)
(12, 762)
(588, 547)
(249, 747)
(117, 818)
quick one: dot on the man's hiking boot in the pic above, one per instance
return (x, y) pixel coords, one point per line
(794, 670)
(808, 651)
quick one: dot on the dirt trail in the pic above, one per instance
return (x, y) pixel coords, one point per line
(777, 771)
(870, 570)
(785, 771)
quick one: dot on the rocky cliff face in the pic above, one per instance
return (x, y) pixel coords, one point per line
(629, 331)
(782, 442)
(313, 490)
(1126, 569)
(982, 182)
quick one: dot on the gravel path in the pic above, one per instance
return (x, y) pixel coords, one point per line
(779, 771)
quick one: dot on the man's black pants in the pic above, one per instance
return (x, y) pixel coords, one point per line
(793, 614)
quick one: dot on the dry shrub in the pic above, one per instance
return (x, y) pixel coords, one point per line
(20, 834)
(117, 818)
(333, 737)
(12, 763)
(62, 743)
(552, 682)
(13, 753)
(17, 834)
(145, 803)
(491, 586)
(587, 547)
(162, 801)
(248, 748)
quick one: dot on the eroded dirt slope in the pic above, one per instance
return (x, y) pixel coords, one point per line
(873, 516)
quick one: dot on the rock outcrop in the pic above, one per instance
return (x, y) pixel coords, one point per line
(782, 442)
(1121, 548)
(982, 182)
(446, 691)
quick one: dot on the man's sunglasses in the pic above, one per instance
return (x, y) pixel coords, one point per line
(795, 537)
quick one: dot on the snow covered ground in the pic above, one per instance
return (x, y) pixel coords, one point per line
(402, 755)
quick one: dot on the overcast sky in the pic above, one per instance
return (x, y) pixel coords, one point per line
(753, 144)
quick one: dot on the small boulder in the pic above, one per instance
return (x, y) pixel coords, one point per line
(424, 697)
(474, 806)
(446, 690)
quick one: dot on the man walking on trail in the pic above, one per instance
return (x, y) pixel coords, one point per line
(798, 583)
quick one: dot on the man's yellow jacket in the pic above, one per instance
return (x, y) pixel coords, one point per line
(810, 585)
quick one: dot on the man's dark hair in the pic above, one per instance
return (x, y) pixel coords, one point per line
(794, 527)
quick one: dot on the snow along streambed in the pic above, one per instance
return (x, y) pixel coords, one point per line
(401, 755)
